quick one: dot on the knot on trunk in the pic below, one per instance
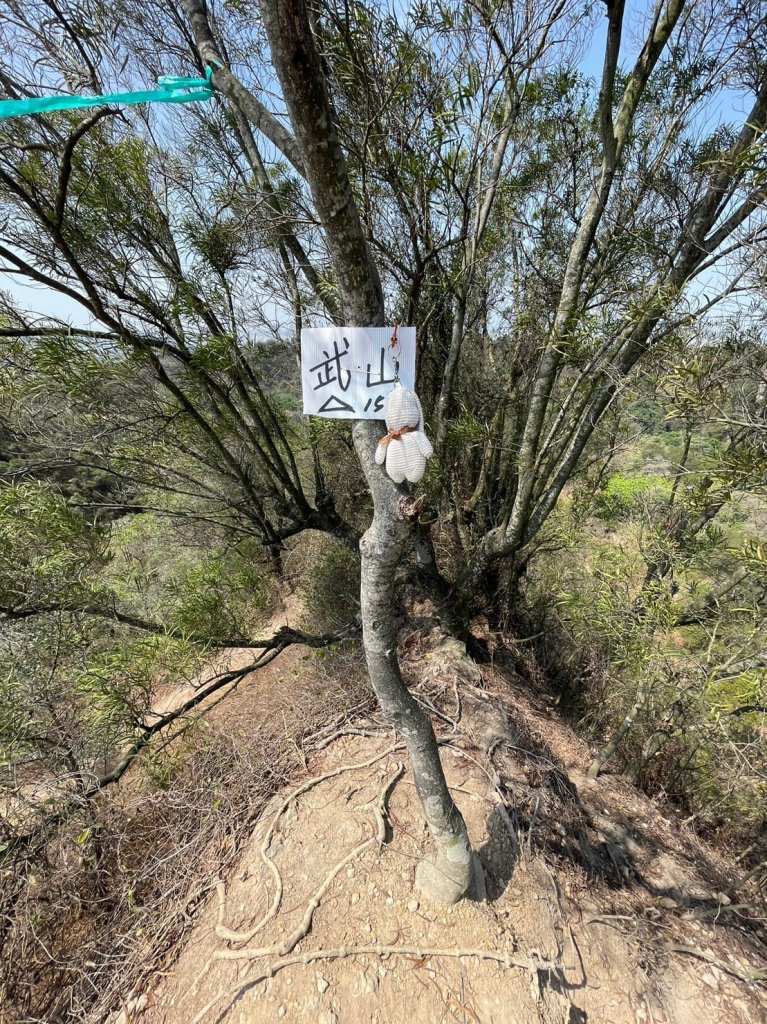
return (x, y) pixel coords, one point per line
(411, 508)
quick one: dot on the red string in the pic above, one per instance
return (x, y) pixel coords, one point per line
(396, 435)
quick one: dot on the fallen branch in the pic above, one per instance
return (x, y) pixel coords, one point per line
(748, 709)
(740, 668)
(698, 613)
(285, 633)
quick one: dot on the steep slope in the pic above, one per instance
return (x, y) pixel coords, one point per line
(602, 907)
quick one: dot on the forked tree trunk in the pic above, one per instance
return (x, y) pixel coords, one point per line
(453, 870)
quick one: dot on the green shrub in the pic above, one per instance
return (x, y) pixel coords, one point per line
(118, 684)
(160, 572)
(326, 575)
(624, 496)
(49, 553)
(219, 594)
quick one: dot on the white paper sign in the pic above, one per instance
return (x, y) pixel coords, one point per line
(347, 372)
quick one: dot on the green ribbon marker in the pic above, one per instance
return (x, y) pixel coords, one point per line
(172, 89)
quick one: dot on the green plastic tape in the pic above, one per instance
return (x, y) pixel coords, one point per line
(172, 89)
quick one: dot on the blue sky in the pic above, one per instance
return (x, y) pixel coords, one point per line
(727, 106)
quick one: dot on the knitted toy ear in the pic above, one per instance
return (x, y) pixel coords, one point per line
(402, 408)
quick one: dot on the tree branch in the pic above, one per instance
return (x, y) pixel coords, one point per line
(283, 638)
(286, 634)
(65, 169)
(231, 87)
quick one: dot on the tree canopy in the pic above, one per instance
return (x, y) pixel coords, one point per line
(568, 202)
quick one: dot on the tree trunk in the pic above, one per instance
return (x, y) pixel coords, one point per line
(453, 871)
(607, 751)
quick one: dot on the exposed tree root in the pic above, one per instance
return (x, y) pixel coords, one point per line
(735, 970)
(418, 952)
(284, 948)
(351, 731)
(282, 951)
(233, 936)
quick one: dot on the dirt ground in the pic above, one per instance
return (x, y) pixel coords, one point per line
(601, 908)
(104, 908)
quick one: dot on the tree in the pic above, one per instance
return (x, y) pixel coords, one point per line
(156, 274)
(454, 871)
(449, 162)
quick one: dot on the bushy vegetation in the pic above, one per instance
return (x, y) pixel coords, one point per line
(120, 622)
(658, 644)
(583, 256)
(326, 575)
(624, 496)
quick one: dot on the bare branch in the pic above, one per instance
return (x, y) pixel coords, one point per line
(231, 87)
(66, 160)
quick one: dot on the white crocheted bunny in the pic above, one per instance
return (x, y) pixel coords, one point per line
(405, 448)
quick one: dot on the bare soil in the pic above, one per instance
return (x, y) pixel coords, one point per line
(602, 906)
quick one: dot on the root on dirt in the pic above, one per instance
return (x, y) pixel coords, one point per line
(281, 951)
(532, 967)
(233, 936)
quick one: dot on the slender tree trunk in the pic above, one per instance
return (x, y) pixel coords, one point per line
(524, 520)
(452, 871)
(682, 467)
(607, 751)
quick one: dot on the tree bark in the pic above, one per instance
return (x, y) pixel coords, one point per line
(241, 98)
(452, 871)
(607, 751)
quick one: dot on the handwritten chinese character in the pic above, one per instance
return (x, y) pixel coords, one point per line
(333, 371)
(382, 378)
